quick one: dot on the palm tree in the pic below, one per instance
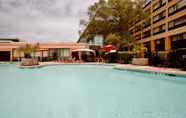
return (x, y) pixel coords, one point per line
(28, 50)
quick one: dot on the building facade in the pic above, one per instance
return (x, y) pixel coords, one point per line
(9, 52)
(164, 30)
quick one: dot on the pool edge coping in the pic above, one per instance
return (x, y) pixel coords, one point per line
(177, 73)
(129, 67)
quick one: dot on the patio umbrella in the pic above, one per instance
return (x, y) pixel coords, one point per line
(108, 48)
(83, 50)
(113, 51)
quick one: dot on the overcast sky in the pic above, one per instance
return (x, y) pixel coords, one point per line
(42, 20)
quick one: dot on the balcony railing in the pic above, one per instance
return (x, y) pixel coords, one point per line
(177, 7)
(146, 34)
(159, 17)
(179, 22)
(159, 4)
(159, 29)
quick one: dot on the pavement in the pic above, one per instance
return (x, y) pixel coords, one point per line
(163, 70)
(151, 69)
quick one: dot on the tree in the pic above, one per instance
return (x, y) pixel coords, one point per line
(136, 50)
(114, 17)
(28, 50)
(113, 39)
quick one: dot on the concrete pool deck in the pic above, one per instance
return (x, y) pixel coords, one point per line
(151, 69)
(130, 67)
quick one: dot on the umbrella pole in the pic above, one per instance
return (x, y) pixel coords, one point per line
(79, 55)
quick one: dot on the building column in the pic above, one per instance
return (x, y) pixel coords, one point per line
(152, 43)
(167, 44)
(80, 56)
(128, 48)
(11, 54)
(142, 49)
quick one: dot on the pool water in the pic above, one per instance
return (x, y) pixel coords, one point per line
(89, 91)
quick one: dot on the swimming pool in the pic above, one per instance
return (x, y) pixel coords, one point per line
(89, 91)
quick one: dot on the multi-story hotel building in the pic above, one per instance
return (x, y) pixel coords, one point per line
(165, 29)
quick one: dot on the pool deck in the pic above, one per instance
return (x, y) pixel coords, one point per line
(151, 69)
(130, 67)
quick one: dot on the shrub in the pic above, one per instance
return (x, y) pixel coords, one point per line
(124, 57)
(110, 57)
(158, 58)
(177, 58)
(136, 51)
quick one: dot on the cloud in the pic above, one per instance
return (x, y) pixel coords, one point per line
(42, 20)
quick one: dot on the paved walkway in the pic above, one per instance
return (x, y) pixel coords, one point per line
(163, 70)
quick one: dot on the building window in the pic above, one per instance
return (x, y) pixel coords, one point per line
(147, 34)
(146, 2)
(180, 5)
(147, 49)
(177, 23)
(160, 44)
(178, 41)
(159, 17)
(147, 46)
(159, 29)
(138, 28)
(131, 31)
(59, 52)
(146, 23)
(65, 52)
(159, 4)
(138, 37)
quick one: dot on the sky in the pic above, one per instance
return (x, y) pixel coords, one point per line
(42, 20)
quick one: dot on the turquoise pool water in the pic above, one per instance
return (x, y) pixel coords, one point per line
(89, 91)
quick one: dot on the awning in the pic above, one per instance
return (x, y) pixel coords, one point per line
(42, 49)
(83, 50)
(108, 48)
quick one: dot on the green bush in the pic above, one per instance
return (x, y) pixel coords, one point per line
(125, 57)
(158, 58)
(177, 58)
(110, 57)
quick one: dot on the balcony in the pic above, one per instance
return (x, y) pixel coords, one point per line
(138, 37)
(146, 3)
(159, 29)
(146, 34)
(177, 7)
(146, 23)
(158, 5)
(179, 22)
(159, 17)
(138, 28)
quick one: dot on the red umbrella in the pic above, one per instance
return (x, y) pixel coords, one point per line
(108, 48)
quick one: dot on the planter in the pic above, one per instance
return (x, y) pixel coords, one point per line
(29, 62)
(140, 61)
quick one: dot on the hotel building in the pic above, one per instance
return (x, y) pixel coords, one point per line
(8, 49)
(165, 30)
